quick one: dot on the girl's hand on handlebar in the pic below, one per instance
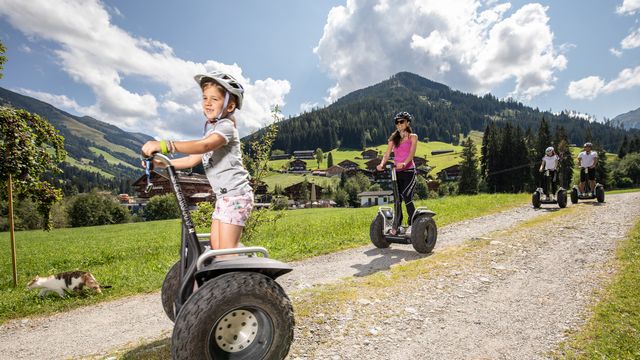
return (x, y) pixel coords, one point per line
(380, 167)
(150, 147)
(401, 165)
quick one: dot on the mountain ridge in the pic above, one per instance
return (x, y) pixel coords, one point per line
(87, 141)
(440, 113)
(630, 119)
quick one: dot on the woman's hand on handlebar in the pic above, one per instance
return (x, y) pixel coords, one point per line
(380, 167)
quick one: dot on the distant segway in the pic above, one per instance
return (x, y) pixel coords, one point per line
(422, 234)
(538, 198)
(589, 193)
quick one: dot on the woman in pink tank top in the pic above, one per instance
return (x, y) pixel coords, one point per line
(403, 143)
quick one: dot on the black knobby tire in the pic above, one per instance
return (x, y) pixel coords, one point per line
(535, 199)
(239, 316)
(562, 198)
(376, 233)
(424, 234)
(600, 193)
(574, 196)
(169, 290)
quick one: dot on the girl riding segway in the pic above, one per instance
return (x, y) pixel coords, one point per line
(403, 142)
(549, 180)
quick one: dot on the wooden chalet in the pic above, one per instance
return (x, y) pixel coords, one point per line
(195, 187)
(304, 154)
(296, 191)
(297, 165)
(369, 154)
(452, 173)
(280, 157)
(348, 164)
(335, 170)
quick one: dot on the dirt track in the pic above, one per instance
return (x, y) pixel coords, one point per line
(515, 304)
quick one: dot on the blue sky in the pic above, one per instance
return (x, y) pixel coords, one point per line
(130, 63)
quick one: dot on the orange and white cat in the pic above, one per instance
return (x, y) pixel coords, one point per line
(66, 281)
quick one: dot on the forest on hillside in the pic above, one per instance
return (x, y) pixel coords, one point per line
(365, 117)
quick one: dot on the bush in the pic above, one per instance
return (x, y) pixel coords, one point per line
(421, 190)
(92, 209)
(162, 207)
(280, 203)
(341, 197)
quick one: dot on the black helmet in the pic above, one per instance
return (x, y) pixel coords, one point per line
(403, 115)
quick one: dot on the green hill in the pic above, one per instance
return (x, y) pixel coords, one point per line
(441, 114)
(98, 154)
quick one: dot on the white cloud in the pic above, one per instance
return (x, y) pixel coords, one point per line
(25, 49)
(60, 101)
(308, 106)
(465, 44)
(628, 7)
(95, 52)
(615, 52)
(593, 86)
(631, 41)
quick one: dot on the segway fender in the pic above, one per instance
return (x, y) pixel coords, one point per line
(266, 266)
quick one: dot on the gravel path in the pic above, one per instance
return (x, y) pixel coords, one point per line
(113, 325)
(512, 299)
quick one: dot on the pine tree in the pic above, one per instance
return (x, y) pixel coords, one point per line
(624, 147)
(483, 151)
(329, 160)
(469, 176)
(493, 159)
(602, 169)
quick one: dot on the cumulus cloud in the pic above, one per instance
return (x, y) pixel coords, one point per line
(308, 106)
(631, 41)
(628, 7)
(95, 52)
(466, 44)
(593, 86)
(59, 101)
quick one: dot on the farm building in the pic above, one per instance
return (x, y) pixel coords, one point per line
(280, 157)
(196, 187)
(297, 191)
(369, 154)
(451, 173)
(374, 198)
(348, 164)
(304, 154)
(335, 170)
(297, 165)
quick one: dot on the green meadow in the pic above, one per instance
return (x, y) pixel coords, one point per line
(133, 258)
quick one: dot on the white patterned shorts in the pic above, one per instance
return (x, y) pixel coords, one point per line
(233, 210)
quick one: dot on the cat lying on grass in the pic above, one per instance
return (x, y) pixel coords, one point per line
(66, 281)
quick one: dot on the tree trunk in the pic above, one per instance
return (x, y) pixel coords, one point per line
(11, 233)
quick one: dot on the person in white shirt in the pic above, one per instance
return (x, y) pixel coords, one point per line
(587, 161)
(550, 162)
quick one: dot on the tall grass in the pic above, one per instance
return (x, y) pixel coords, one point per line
(133, 258)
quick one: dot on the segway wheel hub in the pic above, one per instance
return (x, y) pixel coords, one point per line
(236, 330)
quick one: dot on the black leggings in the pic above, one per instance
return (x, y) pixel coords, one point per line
(406, 181)
(550, 182)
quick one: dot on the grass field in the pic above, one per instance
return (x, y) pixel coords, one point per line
(133, 258)
(613, 332)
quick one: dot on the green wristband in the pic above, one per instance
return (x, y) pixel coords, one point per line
(163, 147)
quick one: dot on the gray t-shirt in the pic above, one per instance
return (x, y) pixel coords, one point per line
(223, 166)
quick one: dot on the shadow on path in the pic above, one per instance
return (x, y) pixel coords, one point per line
(384, 258)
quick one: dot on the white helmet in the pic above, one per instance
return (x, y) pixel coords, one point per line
(226, 81)
(549, 150)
